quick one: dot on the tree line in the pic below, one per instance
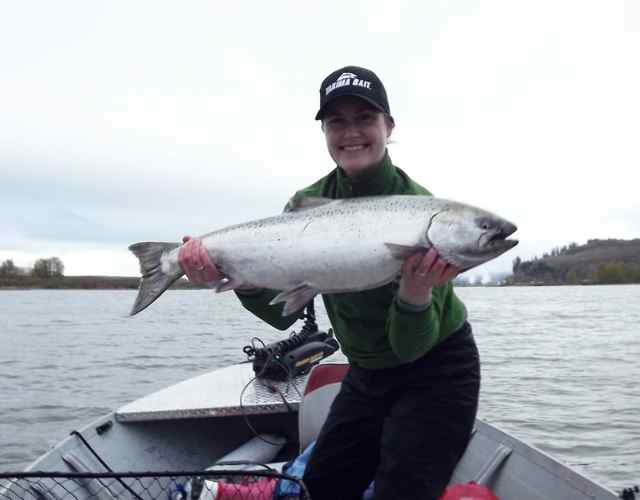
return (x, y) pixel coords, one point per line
(49, 274)
(52, 267)
(609, 261)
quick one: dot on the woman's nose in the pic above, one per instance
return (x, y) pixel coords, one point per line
(351, 130)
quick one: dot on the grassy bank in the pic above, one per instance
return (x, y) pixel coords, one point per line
(80, 283)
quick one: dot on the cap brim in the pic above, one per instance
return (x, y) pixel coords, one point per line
(321, 111)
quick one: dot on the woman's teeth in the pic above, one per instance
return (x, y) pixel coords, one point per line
(353, 148)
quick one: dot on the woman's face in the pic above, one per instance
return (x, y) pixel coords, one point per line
(356, 134)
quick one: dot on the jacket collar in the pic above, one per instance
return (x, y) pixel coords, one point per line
(379, 180)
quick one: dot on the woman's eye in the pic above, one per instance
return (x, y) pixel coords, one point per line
(336, 122)
(366, 119)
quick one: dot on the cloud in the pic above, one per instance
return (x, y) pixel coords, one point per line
(206, 119)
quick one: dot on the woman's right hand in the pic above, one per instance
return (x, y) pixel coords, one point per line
(420, 273)
(194, 260)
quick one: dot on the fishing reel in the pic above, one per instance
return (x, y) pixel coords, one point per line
(296, 355)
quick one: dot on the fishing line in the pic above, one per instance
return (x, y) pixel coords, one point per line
(272, 388)
(295, 339)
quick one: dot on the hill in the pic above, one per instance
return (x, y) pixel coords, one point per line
(596, 262)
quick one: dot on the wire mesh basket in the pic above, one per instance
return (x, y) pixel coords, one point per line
(199, 485)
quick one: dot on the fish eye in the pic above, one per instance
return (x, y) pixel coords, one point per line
(484, 224)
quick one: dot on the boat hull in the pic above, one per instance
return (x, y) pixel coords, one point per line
(192, 425)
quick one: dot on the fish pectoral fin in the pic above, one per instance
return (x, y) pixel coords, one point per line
(295, 298)
(401, 252)
(227, 284)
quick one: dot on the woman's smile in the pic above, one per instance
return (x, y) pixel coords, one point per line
(356, 134)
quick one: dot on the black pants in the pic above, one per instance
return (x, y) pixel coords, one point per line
(407, 426)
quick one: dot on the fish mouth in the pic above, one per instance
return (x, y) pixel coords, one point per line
(502, 245)
(498, 241)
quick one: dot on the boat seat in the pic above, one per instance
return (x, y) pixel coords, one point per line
(261, 449)
(322, 387)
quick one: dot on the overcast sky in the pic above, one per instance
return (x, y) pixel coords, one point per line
(126, 121)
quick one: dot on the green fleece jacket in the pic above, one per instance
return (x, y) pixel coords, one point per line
(374, 329)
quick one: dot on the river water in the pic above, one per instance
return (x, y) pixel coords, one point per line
(560, 365)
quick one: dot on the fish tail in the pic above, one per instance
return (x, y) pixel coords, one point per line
(154, 279)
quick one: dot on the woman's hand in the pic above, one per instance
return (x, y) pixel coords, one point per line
(194, 260)
(420, 273)
(196, 263)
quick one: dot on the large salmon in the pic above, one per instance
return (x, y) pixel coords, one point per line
(332, 246)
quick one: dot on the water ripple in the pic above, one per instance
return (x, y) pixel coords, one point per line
(559, 364)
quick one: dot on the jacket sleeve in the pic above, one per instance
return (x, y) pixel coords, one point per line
(413, 332)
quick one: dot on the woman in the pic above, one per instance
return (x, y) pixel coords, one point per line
(407, 405)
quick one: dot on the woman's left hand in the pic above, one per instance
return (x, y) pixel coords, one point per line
(420, 273)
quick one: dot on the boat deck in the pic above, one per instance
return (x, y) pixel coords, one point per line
(229, 391)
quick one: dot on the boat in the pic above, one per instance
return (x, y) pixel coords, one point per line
(226, 424)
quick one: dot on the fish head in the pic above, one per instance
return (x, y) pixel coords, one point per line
(467, 236)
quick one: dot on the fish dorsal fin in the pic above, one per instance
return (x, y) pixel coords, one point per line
(296, 204)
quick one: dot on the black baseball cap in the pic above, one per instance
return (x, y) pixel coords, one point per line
(354, 81)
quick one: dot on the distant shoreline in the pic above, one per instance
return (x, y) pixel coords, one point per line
(81, 283)
(132, 283)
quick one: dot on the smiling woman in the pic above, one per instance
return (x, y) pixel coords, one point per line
(356, 134)
(356, 118)
(396, 412)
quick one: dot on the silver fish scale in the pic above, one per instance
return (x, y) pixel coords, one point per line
(338, 246)
(343, 208)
